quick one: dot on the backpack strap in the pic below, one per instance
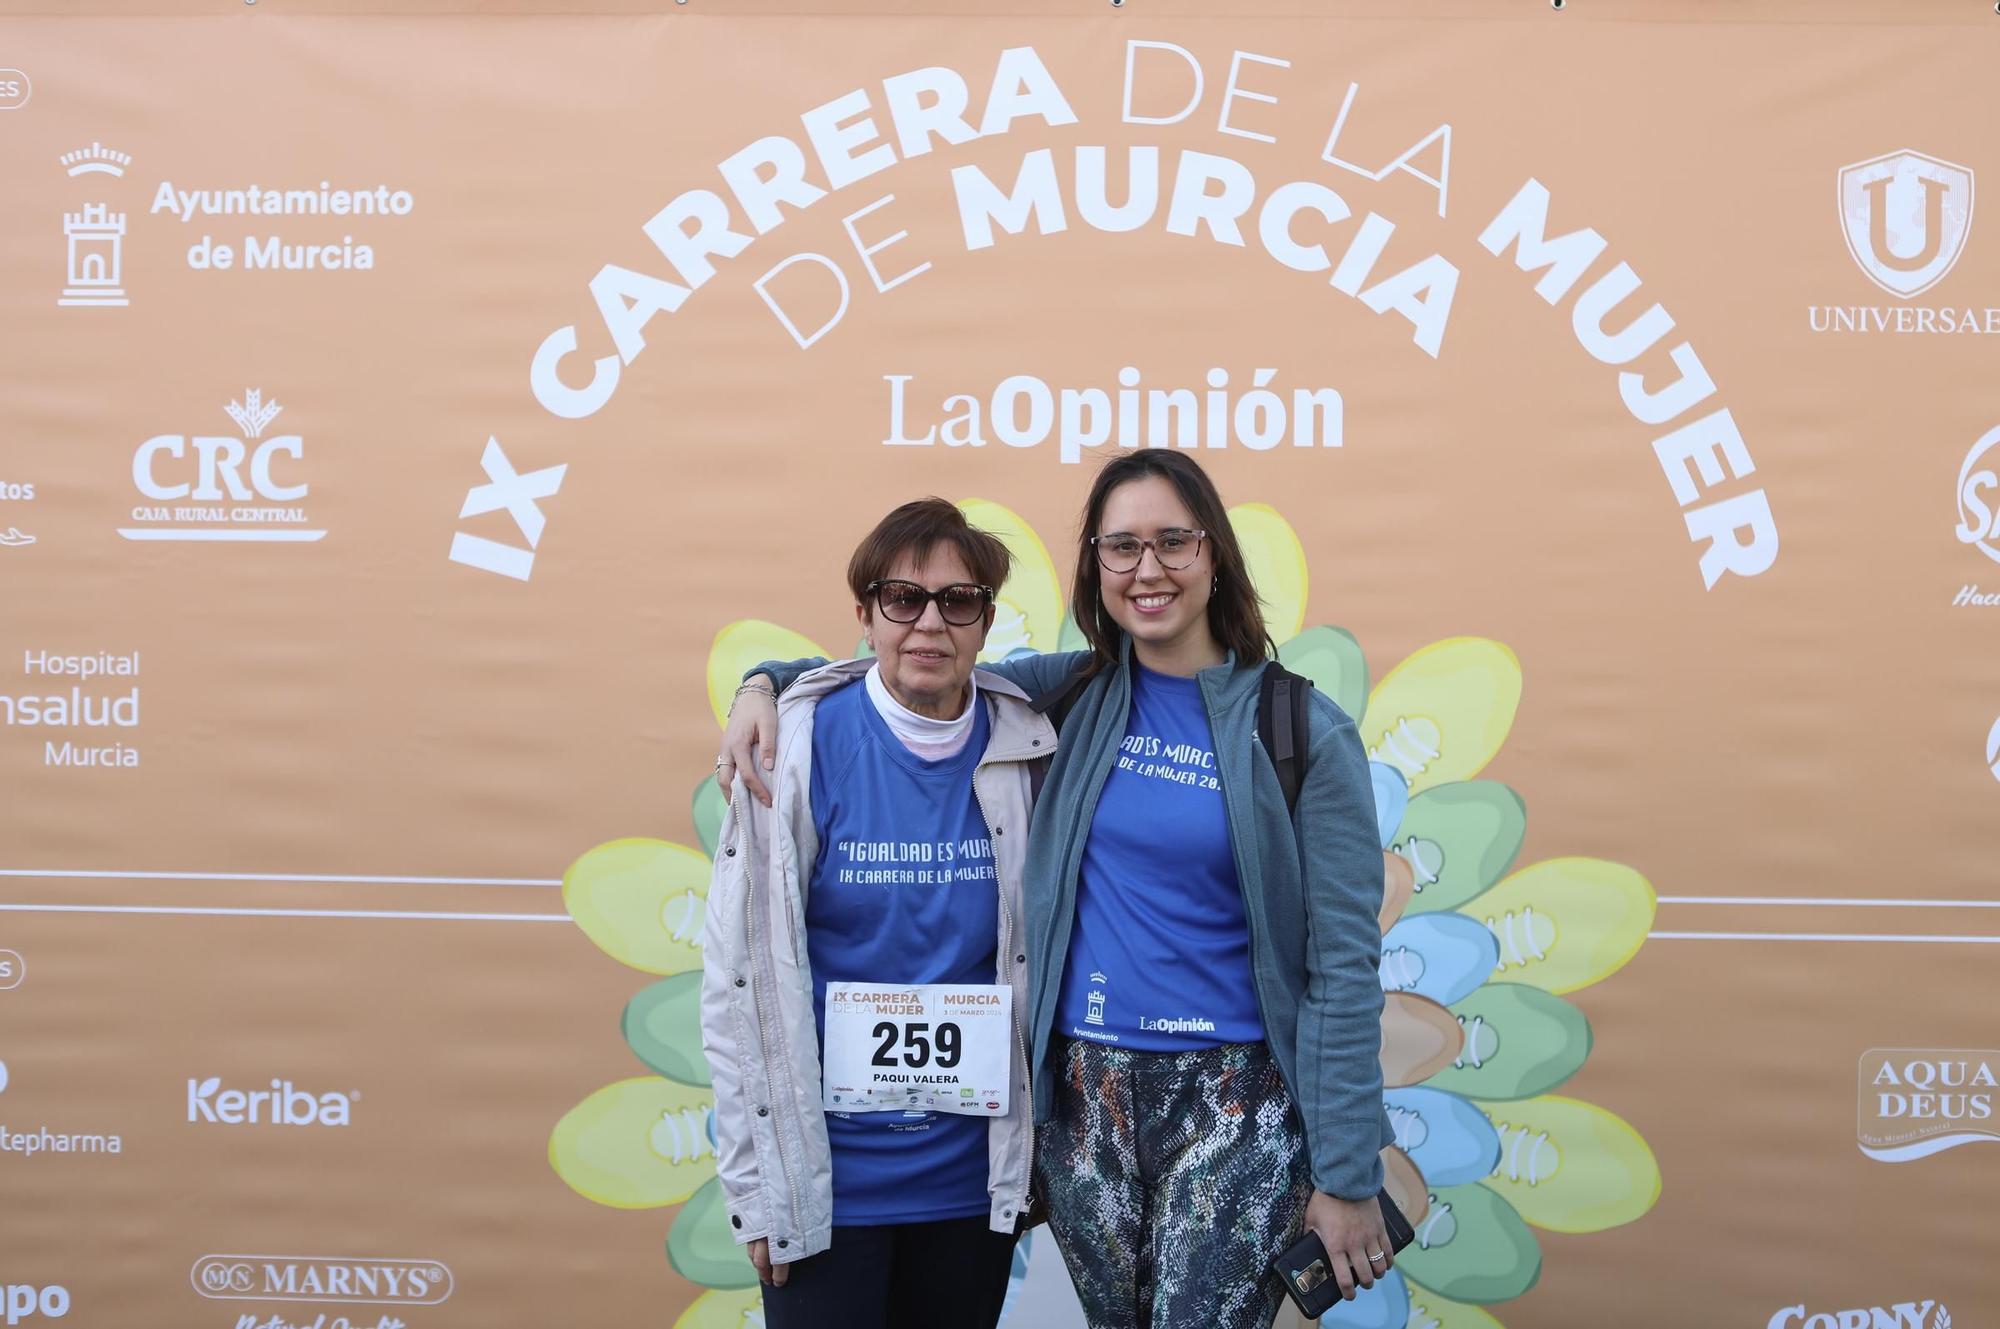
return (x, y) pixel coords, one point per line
(1284, 726)
(1056, 703)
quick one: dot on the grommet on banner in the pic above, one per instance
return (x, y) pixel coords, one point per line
(1556, 4)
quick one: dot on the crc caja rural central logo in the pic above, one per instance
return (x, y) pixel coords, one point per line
(215, 487)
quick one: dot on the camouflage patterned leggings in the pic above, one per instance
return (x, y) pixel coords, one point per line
(1172, 1177)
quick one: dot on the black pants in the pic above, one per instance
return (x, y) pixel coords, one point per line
(943, 1275)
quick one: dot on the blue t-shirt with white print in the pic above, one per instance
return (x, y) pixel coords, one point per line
(903, 891)
(1159, 960)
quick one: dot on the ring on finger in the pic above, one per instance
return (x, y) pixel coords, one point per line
(1378, 1255)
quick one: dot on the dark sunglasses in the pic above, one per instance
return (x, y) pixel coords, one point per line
(960, 604)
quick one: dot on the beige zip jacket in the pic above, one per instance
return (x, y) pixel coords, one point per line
(757, 1022)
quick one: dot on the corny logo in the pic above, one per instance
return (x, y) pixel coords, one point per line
(1925, 1314)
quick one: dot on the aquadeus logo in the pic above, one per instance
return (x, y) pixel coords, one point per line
(1905, 216)
(1926, 1314)
(1915, 1102)
(321, 1278)
(283, 1104)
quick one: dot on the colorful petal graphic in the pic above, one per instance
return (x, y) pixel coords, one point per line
(1472, 1246)
(1332, 659)
(1440, 956)
(1392, 800)
(662, 1026)
(1029, 609)
(702, 1246)
(1571, 1166)
(1442, 714)
(642, 901)
(1399, 887)
(1519, 1041)
(1448, 1137)
(1566, 923)
(709, 806)
(1428, 1310)
(725, 1309)
(1277, 564)
(1405, 1184)
(1419, 1038)
(1384, 1306)
(637, 1144)
(1458, 839)
(743, 645)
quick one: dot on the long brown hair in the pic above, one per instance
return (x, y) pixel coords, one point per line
(1235, 615)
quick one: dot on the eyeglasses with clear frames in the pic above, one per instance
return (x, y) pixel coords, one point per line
(1174, 549)
(960, 604)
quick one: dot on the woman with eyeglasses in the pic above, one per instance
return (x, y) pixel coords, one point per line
(1205, 1017)
(864, 958)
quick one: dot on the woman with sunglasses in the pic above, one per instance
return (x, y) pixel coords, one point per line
(1206, 1012)
(864, 953)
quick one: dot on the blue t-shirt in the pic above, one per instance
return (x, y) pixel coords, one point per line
(1159, 960)
(903, 891)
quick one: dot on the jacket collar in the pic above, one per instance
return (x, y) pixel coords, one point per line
(1018, 733)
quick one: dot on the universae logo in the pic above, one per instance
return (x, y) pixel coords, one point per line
(1905, 216)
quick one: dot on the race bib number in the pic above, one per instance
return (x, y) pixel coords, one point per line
(934, 1047)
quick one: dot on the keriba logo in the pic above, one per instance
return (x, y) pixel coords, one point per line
(1906, 217)
(283, 1104)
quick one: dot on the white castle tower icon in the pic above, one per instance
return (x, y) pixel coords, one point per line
(96, 241)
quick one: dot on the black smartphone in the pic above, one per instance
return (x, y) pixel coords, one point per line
(1307, 1273)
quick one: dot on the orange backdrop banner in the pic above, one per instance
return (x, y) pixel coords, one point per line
(416, 422)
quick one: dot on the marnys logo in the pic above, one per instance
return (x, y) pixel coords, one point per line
(1926, 1314)
(281, 1105)
(1915, 1102)
(218, 505)
(321, 1278)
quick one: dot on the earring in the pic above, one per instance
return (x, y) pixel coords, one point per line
(1215, 583)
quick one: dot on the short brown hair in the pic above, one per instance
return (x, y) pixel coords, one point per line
(1234, 614)
(919, 528)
